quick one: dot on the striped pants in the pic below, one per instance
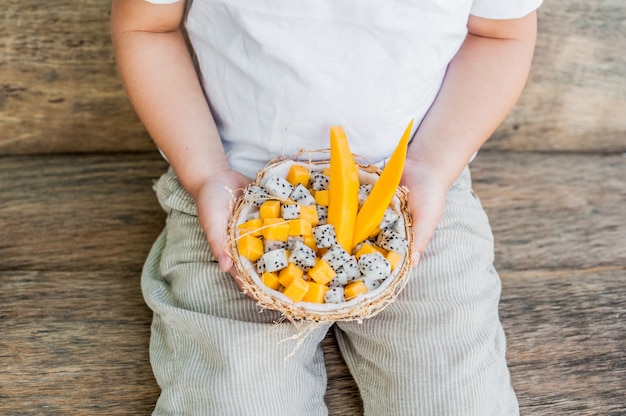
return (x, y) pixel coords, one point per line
(439, 349)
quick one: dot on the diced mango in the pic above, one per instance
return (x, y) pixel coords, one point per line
(270, 279)
(393, 257)
(270, 209)
(298, 174)
(316, 292)
(352, 290)
(252, 227)
(322, 273)
(297, 289)
(275, 229)
(286, 275)
(309, 212)
(300, 227)
(250, 247)
(309, 240)
(321, 197)
(367, 248)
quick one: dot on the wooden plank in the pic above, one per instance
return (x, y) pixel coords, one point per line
(83, 213)
(566, 341)
(73, 213)
(575, 99)
(77, 343)
(60, 91)
(550, 211)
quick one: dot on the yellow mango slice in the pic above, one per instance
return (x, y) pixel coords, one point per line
(393, 257)
(275, 229)
(309, 240)
(270, 279)
(367, 248)
(250, 247)
(300, 227)
(297, 289)
(321, 197)
(322, 273)
(286, 275)
(270, 209)
(373, 210)
(252, 227)
(298, 174)
(309, 213)
(316, 292)
(352, 290)
(343, 202)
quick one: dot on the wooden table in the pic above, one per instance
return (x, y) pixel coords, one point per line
(78, 216)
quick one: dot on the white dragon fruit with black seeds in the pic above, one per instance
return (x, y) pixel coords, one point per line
(325, 236)
(275, 260)
(350, 268)
(319, 181)
(278, 187)
(260, 266)
(364, 192)
(336, 256)
(302, 195)
(292, 240)
(371, 284)
(302, 256)
(334, 295)
(389, 219)
(391, 240)
(374, 266)
(340, 280)
(269, 245)
(256, 195)
(322, 214)
(290, 211)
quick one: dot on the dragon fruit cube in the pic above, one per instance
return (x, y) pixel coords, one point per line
(364, 192)
(278, 187)
(336, 256)
(391, 240)
(302, 195)
(290, 211)
(340, 280)
(371, 284)
(374, 266)
(269, 245)
(256, 195)
(389, 219)
(275, 260)
(318, 181)
(302, 256)
(350, 268)
(322, 214)
(325, 236)
(334, 295)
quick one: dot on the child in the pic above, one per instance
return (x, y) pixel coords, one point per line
(272, 76)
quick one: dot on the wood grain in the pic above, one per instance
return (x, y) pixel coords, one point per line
(575, 99)
(59, 89)
(554, 211)
(76, 229)
(60, 92)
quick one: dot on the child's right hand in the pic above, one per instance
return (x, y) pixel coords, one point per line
(215, 197)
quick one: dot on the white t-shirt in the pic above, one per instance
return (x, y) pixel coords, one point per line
(278, 73)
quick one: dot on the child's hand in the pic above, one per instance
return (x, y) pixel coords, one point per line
(214, 198)
(427, 196)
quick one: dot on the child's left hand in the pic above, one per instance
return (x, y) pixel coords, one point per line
(427, 196)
